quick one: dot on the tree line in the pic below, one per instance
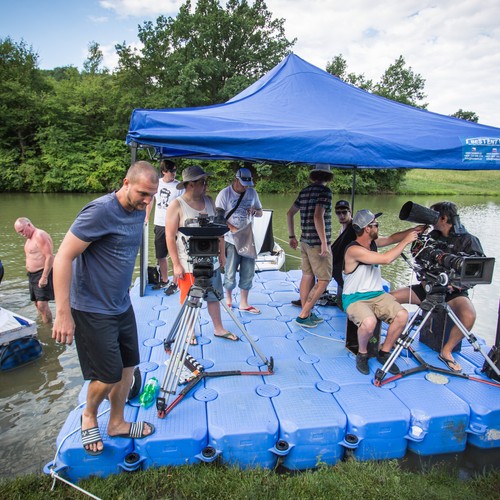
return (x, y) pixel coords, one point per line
(64, 129)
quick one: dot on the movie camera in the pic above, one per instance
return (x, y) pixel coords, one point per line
(434, 264)
(203, 244)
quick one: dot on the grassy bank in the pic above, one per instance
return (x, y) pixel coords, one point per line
(452, 182)
(348, 479)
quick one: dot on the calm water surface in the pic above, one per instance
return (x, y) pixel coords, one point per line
(35, 399)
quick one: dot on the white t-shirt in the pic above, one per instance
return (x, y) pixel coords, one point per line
(228, 198)
(167, 192)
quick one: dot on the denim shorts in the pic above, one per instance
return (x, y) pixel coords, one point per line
(247, 269)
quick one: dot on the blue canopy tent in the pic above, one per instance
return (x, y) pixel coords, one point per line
(298, 113)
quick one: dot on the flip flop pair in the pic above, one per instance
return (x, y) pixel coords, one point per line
(93, 435)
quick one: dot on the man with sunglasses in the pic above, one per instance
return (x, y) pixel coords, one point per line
(346, 236)
(166, 194)
(364, 298)
(185, 210)
(343, 213)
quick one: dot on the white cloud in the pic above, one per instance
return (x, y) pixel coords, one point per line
(144, 8)
(452, 44)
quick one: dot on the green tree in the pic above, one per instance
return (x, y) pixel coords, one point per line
(205, 55)
(22, 90)
(94, 60)
(402, 84)
(466, 115)
(338, 67)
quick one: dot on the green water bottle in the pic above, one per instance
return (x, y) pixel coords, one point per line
(148, 395)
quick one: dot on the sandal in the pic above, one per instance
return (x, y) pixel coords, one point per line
(250, 309)
(228, 336)
(91, 436)
(451, 364)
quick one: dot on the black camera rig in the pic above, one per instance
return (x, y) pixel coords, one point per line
(434, 263)
(203, 245)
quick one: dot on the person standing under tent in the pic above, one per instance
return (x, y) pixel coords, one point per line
(240, 203)
(167, 192)
(314, 204)
(193, 203)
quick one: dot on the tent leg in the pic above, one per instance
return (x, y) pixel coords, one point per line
(143, 250)
(353, 188)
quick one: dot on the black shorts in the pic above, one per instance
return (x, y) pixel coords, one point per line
(421, 293)
(160, 242)
(38, 294)
(106, 344)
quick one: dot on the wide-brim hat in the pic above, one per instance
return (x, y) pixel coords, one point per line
(192, 173)
(362, 218)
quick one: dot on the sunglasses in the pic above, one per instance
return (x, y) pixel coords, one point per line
(245, 179)
(201, 181)
(341, 212)
(375, 224)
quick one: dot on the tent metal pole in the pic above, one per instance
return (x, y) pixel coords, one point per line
(143, 250)
(353, 186)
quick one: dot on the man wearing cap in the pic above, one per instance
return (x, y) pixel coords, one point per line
(315, 205)
(167, 192)
(343, 213)
(364, 298)
(346, 236)
(193, 203)
(240, 203)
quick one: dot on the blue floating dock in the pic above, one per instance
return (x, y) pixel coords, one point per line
(314, 408)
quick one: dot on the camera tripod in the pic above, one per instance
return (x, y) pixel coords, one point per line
(434, 300)
(178, 341)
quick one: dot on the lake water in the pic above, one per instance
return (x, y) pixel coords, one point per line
(35, 399)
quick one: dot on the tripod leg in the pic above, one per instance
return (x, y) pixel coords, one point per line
(245, 333)
(471, 338)
(404, 341)
(184, 326)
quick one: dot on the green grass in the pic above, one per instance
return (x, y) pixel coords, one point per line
(451, 182)
(350, 479)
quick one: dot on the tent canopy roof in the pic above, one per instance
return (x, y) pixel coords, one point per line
(298, 113)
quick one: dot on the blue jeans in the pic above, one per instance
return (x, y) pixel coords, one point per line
(247, 269)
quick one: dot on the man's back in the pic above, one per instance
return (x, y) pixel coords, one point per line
(311, 196)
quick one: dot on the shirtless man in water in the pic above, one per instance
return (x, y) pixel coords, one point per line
(39, 259)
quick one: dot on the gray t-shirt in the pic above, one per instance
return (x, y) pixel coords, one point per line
(103, 272)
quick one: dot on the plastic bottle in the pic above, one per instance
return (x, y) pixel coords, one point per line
(149, 393)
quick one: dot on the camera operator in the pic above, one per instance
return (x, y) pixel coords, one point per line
(450, 231)
(193, 203)
(364, 298)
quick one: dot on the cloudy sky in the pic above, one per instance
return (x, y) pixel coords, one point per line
(453, 44)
